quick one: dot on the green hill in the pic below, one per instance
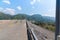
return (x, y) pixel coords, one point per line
(43, 21)
(35, 17)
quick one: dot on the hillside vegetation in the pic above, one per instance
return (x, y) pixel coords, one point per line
(43, 21)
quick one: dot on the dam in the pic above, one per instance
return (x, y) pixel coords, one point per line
(23, 30)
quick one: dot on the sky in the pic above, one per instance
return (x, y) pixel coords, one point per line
(30, 7)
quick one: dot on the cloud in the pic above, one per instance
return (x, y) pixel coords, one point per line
(6, 1)
(50, 12)
(31, 13)
(1, 9)
(34, 1)
(38, 0)
(19, 8)
(9, 11)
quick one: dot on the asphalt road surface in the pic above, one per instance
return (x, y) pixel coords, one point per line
(41, 33)
(13, 30)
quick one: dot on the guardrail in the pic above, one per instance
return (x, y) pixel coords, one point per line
(31, 34)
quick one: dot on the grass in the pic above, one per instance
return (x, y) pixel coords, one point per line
(48, 26)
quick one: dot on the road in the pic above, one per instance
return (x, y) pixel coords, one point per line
(13, 30)
(17, 30)
(41, 33)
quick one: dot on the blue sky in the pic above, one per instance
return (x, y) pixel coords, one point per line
(30, 7)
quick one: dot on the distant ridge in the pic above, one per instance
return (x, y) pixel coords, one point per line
(35, 17)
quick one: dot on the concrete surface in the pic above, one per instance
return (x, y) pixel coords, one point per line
(16, 30)
(13, 30)
(41, 33)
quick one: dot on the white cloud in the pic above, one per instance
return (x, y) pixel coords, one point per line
(9, 11)
(19, 8)
(31, 13)
(6, 1)
(50, 12)
(34, 1)
(38, 0)
(1, 9)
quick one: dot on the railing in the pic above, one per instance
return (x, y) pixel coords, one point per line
(31, 34)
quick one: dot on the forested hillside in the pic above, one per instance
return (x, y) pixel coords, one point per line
(43, 21)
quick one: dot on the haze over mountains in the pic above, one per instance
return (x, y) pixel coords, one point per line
(35, 17)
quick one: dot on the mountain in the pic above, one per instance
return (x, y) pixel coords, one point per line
(21, 16)
(40, 18)
(35, 17)
(47, 18)
(4, 16)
